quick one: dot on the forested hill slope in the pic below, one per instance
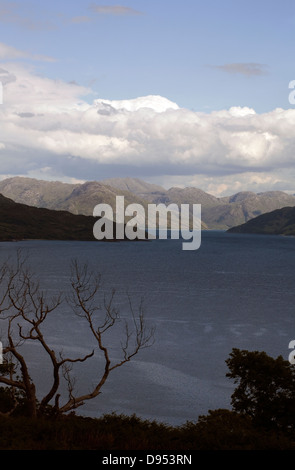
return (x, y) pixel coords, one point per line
(278, 222)
(23, 222)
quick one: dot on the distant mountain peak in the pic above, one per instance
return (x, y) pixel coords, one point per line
(134, 185)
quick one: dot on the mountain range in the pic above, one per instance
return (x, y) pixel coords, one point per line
(80, 199)
(217, 213)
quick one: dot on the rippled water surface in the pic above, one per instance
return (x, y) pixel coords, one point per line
(235, 291)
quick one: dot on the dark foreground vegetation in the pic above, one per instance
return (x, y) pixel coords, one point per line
(220, 430)
(262, 418)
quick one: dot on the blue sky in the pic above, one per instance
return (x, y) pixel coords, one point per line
(206, 57)
(171, 48)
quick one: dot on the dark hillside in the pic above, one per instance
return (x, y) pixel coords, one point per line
(22, 222)
(278, 222)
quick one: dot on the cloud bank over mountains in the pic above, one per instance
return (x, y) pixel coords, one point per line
(158, 104)
(61, 130)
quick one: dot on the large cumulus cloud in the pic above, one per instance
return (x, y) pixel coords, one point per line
(62, 127)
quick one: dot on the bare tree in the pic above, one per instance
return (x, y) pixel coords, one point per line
(24, 309)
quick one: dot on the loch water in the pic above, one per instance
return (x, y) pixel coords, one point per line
(235, 291)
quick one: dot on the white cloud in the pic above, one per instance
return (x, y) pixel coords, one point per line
(156, 103)
(49, 124)
(249, 181)
(227, 184)
(11, 53)
(27, 92)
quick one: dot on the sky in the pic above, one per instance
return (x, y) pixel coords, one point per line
(175, 92)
